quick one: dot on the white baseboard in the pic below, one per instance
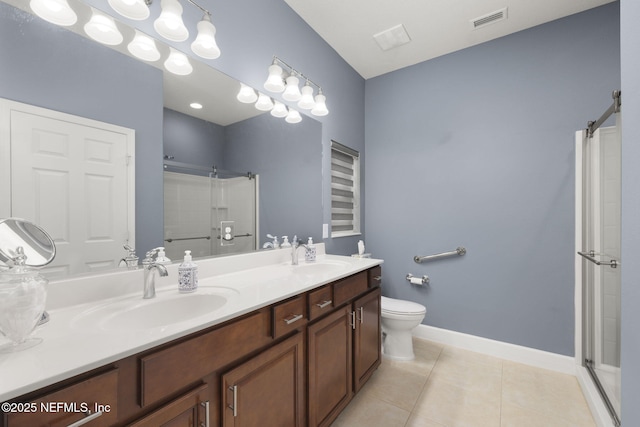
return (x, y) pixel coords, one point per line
(515, 353)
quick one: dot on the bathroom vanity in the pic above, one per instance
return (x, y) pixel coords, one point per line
(289, 346)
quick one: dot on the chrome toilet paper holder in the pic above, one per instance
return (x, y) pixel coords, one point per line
(421, 281)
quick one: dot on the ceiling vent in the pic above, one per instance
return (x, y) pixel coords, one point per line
(489, 18)
(393, 37)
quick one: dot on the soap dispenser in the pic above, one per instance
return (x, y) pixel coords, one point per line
(162, 257)
(310, 251)
(285, 242)
(187, 274)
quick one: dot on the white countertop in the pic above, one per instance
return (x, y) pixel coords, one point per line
(74, 341)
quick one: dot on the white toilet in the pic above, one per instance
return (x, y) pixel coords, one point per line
(399, 318)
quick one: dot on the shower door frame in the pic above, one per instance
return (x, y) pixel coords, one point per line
(600, 405)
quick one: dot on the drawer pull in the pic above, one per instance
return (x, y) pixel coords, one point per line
(234, 407)
(353, 319)
(377, 278)
(207, 418)
(293, 318)
(324, 304)
(89, 417)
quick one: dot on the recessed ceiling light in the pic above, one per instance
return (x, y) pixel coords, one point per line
(196, 105)
(392, 37)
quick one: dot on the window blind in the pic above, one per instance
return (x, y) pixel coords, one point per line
(345, 190)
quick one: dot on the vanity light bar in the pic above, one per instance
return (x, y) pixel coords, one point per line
(283, 78)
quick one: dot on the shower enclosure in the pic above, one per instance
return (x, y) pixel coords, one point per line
(208, 211)
(598, 188)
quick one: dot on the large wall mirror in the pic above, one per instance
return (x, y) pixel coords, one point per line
(59, 69)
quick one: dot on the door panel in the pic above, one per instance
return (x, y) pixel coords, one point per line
(74, 178)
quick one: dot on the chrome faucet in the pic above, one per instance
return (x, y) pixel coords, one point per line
(295, 245)
(271, 245)
(131, 260)
(149, 266)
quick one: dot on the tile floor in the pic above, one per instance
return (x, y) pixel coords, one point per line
(449, 387)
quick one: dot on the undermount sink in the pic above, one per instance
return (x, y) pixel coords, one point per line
(167, 308)
(319, 267)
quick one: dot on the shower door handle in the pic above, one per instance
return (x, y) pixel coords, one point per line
(590, 256)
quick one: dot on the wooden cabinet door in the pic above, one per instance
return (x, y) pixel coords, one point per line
(330, 375)
(267, 390)
(189, 410)
(366, 338)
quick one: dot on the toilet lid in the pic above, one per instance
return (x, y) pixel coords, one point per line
(392, 305)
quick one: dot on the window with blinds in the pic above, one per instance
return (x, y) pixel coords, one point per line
(345, 190)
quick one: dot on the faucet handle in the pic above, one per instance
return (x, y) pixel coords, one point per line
(131, 260)
(148, 259)
(276, 245)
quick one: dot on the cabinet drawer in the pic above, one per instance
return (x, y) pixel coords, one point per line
(320, 301)
(289, 316)
(346, 289)
(375, 277)
(168, 370)
(98, 394)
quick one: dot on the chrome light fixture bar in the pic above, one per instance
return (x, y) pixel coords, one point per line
(283, 78)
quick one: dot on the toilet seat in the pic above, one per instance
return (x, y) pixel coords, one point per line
(398, 306)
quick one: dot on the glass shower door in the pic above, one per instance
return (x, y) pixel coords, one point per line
(601, 263)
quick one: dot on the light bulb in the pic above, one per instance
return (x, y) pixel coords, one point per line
(55, 11)
(178, 63)
(292, 91)
(143, 47)
(279, 110)
(320, 109)
(169, 24)
(205, 43)
(264, 103)
(306, 100)
(102, 29)
(274, 82)
(132, 9)
(246, 94)
(293, 116)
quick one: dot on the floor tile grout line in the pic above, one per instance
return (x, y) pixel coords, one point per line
(501, 391)
(411, 413)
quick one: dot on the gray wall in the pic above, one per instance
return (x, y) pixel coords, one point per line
(47, 66)
(476, 149)
(191, 140)
(288, 158)
(630, 42)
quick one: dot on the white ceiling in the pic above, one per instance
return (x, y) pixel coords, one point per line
(436, 27)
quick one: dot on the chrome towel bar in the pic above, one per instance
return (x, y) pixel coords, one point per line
(459, 251)
(187, 238)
